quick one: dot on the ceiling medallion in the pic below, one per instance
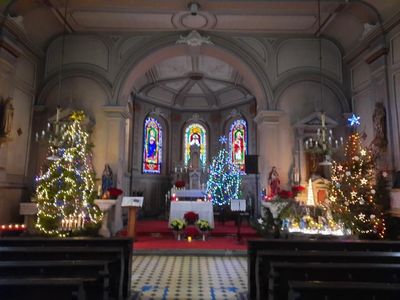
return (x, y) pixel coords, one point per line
(194, 39)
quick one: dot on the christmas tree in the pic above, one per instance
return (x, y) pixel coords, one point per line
(65, 192)
(352, 193)
(224, 179)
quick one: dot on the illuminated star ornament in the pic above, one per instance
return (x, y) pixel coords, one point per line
(223, 139)
(354, 120)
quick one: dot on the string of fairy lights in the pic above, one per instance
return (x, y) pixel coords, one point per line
(224, 179)
(352, 194)
(66, 191)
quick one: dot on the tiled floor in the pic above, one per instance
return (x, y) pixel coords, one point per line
(189, 277)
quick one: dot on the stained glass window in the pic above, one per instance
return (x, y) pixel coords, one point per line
(238, 142)
(152, 146)
(195, 134)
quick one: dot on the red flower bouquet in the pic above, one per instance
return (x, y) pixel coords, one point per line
(114, 192)
(180, 184)
(191, 217)
(297, 189)
(285, 194)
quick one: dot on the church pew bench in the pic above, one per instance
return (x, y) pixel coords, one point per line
(124, 243)
(283, 272)
(114, 257)
(43, 288)
(342, 290)
(265, 258)
(97, 270)
(254, 246)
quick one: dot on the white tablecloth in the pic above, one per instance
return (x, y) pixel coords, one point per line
(204, 209)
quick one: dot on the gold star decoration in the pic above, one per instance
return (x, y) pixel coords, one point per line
(353, 194)
(364, 181)
(363, 152)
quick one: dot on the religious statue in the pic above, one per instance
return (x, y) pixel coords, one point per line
(107, 180)
(379, 121)
(273, 182)
(6, 115)
(195, 139)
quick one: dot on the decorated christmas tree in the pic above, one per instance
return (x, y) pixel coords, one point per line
(352, 194)
(224, 179)
(65, 191)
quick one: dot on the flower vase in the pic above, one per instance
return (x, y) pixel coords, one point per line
(204, 235)
(178, 235)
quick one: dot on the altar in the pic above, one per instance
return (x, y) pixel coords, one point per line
(203, 208)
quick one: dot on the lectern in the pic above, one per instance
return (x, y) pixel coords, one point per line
(238, 205)
(133, 203)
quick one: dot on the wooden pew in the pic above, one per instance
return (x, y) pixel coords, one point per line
(317, 290)
(254, 246)
(43, 288)
(116, 251)
(94, 273)
(283, 272)
(265, 258)
(125, 244)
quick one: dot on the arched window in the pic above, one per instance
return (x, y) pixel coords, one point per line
(195, 134)
(152, 146)
(238, 142)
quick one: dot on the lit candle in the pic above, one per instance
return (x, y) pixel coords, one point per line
(176, 169)
(99, 191)
(330, 140)
(306, 144)
(330, 131)
(189, 239)
(48, 126)
(336, 143)
(341, 140)
(37, 137)
(43, 133)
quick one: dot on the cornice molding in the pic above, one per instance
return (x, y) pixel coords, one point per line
(269, 116)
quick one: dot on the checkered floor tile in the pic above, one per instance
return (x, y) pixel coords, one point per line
(189, 277)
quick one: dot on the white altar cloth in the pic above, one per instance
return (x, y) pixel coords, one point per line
(204, 209)
(190, 193)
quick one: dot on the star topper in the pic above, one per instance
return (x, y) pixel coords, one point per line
(223, 139)
(354, 120)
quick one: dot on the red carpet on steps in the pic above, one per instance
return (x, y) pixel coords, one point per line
(155, 235)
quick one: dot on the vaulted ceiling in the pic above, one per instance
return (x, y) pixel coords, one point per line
(199, 82)
(342, 20)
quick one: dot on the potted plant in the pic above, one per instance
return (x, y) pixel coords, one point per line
(204, 227)
(178, 226)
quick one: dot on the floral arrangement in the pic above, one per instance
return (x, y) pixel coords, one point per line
(180, 184)
(191, 217)
(114, 192)
(203, 225)
(178, 224)
(191, 231)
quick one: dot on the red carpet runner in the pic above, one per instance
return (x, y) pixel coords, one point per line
(155, 235)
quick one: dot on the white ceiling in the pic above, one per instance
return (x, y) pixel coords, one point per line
(193, 83)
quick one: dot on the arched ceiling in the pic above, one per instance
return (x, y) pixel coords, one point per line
(343, 20)
(197, 82)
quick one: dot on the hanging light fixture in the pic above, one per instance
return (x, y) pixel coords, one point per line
(324, 142)
(52, 131)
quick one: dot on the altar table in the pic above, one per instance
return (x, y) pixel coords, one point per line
(203, 208)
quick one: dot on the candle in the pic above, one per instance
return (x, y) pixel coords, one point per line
(336, 143)
(99, 191)
(176, 169)
(330, 140)
(189, 239)
(341, 140)
(43, 133)
(48, 126)
(306, 144)
(330, 131)
(37, 137)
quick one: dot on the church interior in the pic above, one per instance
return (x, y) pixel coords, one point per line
(217, 137)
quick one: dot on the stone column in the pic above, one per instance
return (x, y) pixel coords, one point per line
(115, 156)
(377, 61)
(269, 147)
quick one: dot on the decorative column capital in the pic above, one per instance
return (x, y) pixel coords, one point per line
(116, 111)
(269, 116)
